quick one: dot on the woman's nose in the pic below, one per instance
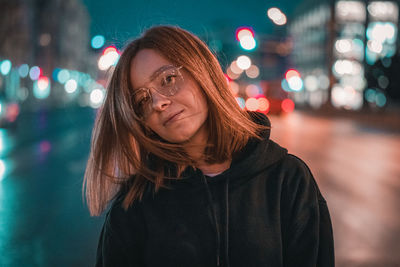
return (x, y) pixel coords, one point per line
(160, 102)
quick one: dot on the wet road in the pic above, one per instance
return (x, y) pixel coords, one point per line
(358, 171)
(43, 221)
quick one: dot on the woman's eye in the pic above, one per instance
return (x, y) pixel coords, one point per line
(168, 80)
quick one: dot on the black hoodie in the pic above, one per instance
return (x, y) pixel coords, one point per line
(265, 210)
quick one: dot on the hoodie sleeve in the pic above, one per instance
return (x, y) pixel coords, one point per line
(306, 225)
(121, 239)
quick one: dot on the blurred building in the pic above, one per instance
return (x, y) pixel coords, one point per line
(335, 45)
(39, 38)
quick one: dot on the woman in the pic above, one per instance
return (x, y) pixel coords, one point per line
(193, 179)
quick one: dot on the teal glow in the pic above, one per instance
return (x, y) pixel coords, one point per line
(285, 85)
(56, 71)
(241, 102)
(5, 67)
(23, 70)
(370, 95)
(98, 41)
(63, 76)
(40, 93)
(380, 100)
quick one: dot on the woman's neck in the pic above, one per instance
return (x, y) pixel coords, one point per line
(195, 149)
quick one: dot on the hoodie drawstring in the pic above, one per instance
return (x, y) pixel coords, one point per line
(215, 220)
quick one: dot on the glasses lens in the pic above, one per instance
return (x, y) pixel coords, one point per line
(169, 81)
(141, 102)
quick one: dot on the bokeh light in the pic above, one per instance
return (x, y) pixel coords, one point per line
(23, 70)
(263, 104)
(98, 41)
(252, 104)
(287, 105)
(63, 76)
(71, 86)
(243, 62)
(34, 73)
(96, 98)
(5, 67)
(253, 72)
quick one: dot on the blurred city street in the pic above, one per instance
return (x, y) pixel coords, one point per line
(44, 222)
(325, 72)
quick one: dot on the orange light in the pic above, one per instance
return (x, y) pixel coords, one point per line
(287, 105)
(263, 104)
(291, 73)
(252, 104)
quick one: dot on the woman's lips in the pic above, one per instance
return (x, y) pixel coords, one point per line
(173, 118)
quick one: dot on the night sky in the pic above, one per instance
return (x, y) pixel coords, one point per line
(120, 20)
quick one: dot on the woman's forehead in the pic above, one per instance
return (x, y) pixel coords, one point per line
(145, 65)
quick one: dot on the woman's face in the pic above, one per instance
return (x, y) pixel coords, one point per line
(176, 118)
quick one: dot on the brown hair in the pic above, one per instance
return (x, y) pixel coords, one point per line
(124, 151)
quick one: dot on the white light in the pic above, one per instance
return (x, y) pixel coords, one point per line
(383, 10)
(96, 97)
(351, 11)
(343, 46)
(345, 66)
(311, 83)
(281, 21)
(378, 33)
(389, 30)
(346, 97)
(247, 42)
(108, 60)
(295, 83)
(71, 86)
(274, 13)
(2, 169)
(375, 46)
(243, 62)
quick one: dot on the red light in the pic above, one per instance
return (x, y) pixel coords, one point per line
(109, 49)
(291, 73)
(244, 31)
(287, 105)
(12, 112)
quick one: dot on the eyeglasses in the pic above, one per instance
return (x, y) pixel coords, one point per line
(167, 83)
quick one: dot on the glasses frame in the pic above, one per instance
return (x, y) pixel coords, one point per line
(148, 92)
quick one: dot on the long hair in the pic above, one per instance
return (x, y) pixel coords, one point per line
(125, 152)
